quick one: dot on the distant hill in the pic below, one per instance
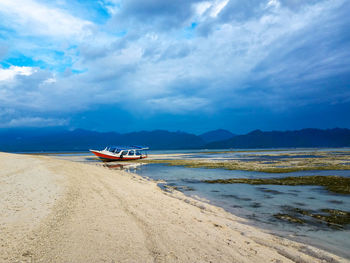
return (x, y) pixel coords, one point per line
(216, 135)
(280, 139)
(22, 140)
(53, 139)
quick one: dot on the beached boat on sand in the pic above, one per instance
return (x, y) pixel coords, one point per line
(121, 153)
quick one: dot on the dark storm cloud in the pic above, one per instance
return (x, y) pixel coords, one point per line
(179, 58)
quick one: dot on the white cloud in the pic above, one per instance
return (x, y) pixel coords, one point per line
(13, 71)
(212, 9)
(33, 122)
(32, 18)
(182, 105)
(112, 6)
(50, 80)
(201, 7)
(217, 7)
(273, 3)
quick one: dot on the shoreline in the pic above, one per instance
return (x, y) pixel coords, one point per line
(83, 213)
(269, 228)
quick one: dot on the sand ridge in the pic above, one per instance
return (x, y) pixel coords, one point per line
(76, 212)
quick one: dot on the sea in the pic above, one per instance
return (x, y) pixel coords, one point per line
(257, 204)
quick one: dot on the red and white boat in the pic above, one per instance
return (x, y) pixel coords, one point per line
(121, 153)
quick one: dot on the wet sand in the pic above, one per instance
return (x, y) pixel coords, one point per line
(60, 211)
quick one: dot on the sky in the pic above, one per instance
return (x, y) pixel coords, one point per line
(190, 65)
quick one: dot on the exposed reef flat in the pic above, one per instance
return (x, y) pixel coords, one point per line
(277, 162)
(335, 184)
(333, 218)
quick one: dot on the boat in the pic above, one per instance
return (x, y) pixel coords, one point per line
(121, 153)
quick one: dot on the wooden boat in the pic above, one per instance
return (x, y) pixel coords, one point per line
(121, 153)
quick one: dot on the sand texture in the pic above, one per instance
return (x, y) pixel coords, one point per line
(60, 211)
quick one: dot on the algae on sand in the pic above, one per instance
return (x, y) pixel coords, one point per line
(333, 218)
(335, 184)
(282, 162)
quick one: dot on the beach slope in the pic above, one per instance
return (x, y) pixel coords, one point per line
(61, 211)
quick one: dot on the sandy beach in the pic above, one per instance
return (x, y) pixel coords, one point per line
(61, 211)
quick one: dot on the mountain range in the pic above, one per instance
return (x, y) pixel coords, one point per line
(53, 139)
(284, 139)
(217, 135)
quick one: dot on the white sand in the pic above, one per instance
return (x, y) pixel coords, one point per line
(60, 211)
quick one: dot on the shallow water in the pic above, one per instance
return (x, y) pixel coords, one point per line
(260, 202)
(267, 156)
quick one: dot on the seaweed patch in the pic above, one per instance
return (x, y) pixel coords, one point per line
(269, 163)
(335, 184)
(333, 218)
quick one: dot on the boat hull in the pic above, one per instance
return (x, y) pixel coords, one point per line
(109, 158)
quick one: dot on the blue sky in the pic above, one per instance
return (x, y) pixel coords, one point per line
(189, 65)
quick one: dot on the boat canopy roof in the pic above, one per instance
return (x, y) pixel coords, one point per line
(132, 147)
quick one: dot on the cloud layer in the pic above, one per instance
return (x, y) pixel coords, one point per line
(175, 58)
